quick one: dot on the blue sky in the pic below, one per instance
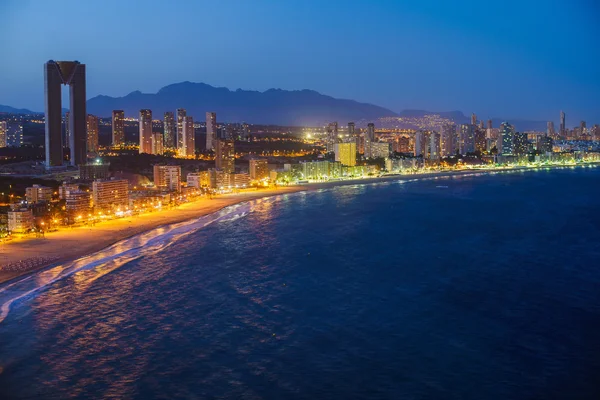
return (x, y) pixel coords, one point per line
(511, 59)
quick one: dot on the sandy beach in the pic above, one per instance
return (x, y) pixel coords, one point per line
(23, 256)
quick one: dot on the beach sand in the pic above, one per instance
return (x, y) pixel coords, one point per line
(23, 256)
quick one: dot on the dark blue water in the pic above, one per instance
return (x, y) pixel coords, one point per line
(486, 289)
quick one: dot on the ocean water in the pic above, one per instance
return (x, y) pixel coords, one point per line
(472, 287)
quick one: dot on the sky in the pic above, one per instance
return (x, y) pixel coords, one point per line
(524, 59)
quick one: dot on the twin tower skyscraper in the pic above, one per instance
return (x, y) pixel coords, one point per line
(56, 74)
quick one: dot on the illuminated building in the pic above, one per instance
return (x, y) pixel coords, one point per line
(473, 119)
(92, 133)
(211, 130)
(93, 171)
(447, 140)
(111, 194)
(351, 128)
(180, 115)
(225, 156)
(520, 143)
(420, 148)
(38, 193)
(545, 144)
(169, 130)
(20, 220)
(345, 153)
(401, 144)
(562, 126)
(65, 187)
(259, 169)
(380, 149)
(188, 143)
(489, 124)
(168, 177)
(67, 136)
(77, 203)
(316, 169)
(194, 179)
(332, 136)
(582, 129)
(118, 128)
(480, 140)
(241, 180)
(550, 129)
(506, 139)
(157, 143)
(145, 131)
(369, 140)
(14, 135)
(466, 139)
(434, 146)
(70, 73)
(3, 133)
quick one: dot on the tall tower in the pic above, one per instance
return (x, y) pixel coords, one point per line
(225, 156)
(169, 130)
(180, 114)
(448, 140)
(118, 128)
(369, 139)
(72, 73)
(351, 128)
(146, 131)
(3, 133)
(473, 119)
(211, 130)
(562, 127)
(189, 144)
(92, 133)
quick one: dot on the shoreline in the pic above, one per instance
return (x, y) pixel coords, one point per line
(41, 253)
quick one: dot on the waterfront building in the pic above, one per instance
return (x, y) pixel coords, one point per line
(65, 187)
(241, 180)
(259, 169)
(92, 133)
(545, 144)
(194, 179)
(38, 193)
(447, 140)
(145, 122)
(434, 146)
(380, 149)
(188, 142)
(157, 143)
(211, 130)
(20, 220)
(506, 139)
(421, 143)
(480, 140)
(225, 156)
(14, 135)
(345, 153)
(71, 73)
(111, 194)
(3, 133)
(369, 139)
(520, 143)
(180, 115)
(77, 203)
(93, 171)
(169, 130)
(118, 128)
(466, 139)
(168, 177)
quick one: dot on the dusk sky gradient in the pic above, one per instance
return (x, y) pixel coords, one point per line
(510, 59)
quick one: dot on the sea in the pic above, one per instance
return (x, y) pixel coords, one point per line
(477, 286)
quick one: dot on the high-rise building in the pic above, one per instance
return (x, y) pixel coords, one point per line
(93, 171)
(447, 140)
(146, 131)
(70, 73)
(562, 127)
(67, 136)
(92, 133)
(14, 135)
(211, 130)
(168, 177)
(169, 130)
(259, 169)
(332, 136)
(3, 133)
(38, 193)
(118, 128)
(595, 132)
(481, 126)
(20, 220)
(351, 128)
(111, 194)
(466, 139)
(369, 140)
(507, 134)
(434, 146)
(345, 153)
(582, 128)
(157, 143)
(77, 203)
(473, 119)
(180, 115)
(421, 143)
(489, 124)
(550, 129)
(188, 143)
(480, 139)
(520, 143)
(380, 149)
(225, 156)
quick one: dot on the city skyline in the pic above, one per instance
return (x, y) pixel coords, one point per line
(512, 78)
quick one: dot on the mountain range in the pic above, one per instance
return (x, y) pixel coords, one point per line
(273, 106)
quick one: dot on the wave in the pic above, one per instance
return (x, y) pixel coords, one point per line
(115, 256)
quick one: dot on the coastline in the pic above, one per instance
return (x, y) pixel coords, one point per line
(81, 241)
